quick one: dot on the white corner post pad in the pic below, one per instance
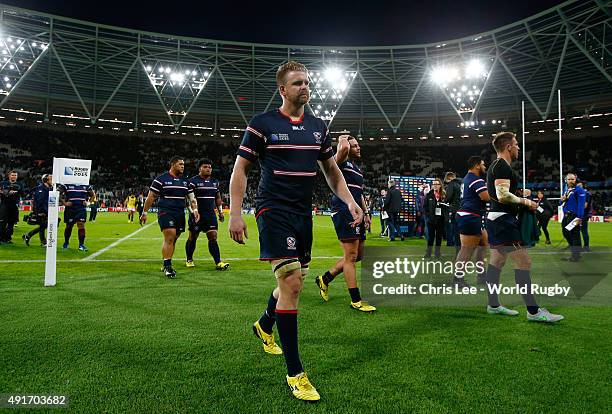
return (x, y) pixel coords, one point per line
(52, 227)
(65, 171)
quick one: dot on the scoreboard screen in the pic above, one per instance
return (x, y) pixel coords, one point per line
(410, 188)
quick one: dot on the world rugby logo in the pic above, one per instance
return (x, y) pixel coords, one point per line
(76, 171)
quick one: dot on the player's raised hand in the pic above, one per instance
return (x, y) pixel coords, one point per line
(238, 229)
(357, 214)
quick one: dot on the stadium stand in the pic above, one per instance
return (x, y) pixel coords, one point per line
(124, 164)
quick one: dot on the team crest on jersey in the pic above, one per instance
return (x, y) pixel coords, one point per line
(317, 137)
(291, 243)
(171, 222)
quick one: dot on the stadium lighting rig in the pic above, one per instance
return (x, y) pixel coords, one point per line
(177, 84)
(462, 85)
(329, 88)
(16, 57)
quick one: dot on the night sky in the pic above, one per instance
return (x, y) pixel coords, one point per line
(357, 22)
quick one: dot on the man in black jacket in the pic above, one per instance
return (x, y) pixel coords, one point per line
(544, 213)
(393, 206)
(41, 210)
(453, 198)
(10, 192)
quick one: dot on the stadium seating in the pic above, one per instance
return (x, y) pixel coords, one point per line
(125, 164)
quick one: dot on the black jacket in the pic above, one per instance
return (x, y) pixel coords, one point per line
(393, 201)
(453, 195)
(546, 206)
(430, 207)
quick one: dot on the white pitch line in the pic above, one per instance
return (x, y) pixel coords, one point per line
(121, 240)
(143, 260)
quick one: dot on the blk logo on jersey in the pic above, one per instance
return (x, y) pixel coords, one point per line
(298, 128)
(291, 243)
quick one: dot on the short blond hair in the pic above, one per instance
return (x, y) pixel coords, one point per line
(285, 68)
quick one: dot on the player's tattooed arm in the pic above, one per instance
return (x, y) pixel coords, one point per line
(504, 196)
(193, 206)
(366, 216)
(336, 182)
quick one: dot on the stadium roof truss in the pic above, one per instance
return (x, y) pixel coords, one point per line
(54, 67)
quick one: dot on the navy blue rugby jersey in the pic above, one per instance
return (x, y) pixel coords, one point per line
(77, 194)
(205, 191)
(288, 152)
(171, 191)
(471, 187)
(354, 180)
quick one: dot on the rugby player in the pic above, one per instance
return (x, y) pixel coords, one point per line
(171, 190)
(352, 238)
(206, 190)
(469, 218)
(504, 233)
(288, 143)
(130, 204)
(74, 198)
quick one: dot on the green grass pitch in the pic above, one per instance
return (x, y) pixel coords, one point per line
(116, 336)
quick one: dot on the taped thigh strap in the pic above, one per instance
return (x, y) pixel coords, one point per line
(285, 267)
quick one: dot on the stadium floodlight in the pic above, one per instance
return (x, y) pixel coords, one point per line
(462, 84)
(332, 74)
(475, 69)
(177, 77)
(177, 84)
(443, 75)
(329, 87)
(18, 55)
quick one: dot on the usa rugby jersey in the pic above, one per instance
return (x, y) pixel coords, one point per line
(205, 191)
(77, 194)
(171, 191)
(471, 187)
(288, 152)
(354, 180)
